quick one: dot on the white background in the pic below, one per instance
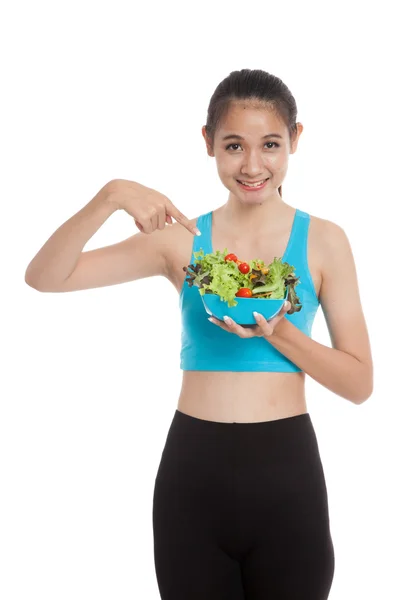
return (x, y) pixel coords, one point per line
(90, 379)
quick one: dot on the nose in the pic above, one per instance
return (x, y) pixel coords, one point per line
(253, 165)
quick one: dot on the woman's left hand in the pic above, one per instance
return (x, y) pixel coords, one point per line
(263, 328)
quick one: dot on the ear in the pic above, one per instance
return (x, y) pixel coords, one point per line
(293, 146)
(210, 151)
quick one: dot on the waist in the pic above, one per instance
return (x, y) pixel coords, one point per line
(228, 396)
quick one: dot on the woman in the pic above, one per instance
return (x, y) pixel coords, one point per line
(240, 507)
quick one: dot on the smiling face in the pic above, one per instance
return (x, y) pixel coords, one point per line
(257, 156)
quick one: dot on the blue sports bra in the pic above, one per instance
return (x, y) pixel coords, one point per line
(207, 347)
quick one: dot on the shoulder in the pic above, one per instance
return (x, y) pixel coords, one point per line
(329, 236)
(338, 268)
(335, 240)
(328, 244)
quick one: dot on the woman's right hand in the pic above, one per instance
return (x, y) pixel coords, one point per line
(150, 209)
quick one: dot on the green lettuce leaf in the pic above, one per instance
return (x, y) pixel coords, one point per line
(213, 275)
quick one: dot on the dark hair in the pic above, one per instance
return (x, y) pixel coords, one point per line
(257, 86)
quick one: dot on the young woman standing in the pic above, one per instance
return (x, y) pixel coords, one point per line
(240, 509)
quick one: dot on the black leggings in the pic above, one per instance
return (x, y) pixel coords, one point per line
(240, 512)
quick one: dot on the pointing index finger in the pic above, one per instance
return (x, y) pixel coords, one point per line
(182, 219)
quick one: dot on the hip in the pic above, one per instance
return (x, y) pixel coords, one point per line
(255, 491)
(250, 468)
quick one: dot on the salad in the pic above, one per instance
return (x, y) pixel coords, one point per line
(224, 274)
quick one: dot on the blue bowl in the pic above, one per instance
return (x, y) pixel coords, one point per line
(242, 313)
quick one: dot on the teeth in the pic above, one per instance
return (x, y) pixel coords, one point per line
(256, 184)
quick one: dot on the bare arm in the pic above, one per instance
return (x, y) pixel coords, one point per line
(347, 368)
(58, 257)
(61, 266)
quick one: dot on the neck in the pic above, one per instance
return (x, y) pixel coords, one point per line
(239, 216)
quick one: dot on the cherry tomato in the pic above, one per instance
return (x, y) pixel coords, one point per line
(244, 293)
(244, 268)
(231, 257)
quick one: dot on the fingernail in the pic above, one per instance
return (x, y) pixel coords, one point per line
(287, 304)
(227, 320)
(211, 319)
(197, 231)
(257, 316)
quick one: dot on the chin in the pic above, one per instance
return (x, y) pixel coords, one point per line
(252, 198)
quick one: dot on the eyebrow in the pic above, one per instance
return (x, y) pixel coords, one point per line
(233, 136)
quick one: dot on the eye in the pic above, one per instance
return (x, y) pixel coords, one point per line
(273, 143)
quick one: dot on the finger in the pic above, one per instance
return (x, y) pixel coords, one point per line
(138, 225)
(147, 226)
(154, 222)
(281, 313)
(220, 323)
(253, 331)
(285, 308)
(266, 327)
(181, 218)
(144, 225)
(161, 220)
(235, 328)
(269, 326)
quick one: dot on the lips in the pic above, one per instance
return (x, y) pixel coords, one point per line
(253, 182)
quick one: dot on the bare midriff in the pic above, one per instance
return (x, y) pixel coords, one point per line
(241, 396)
(236, 396)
